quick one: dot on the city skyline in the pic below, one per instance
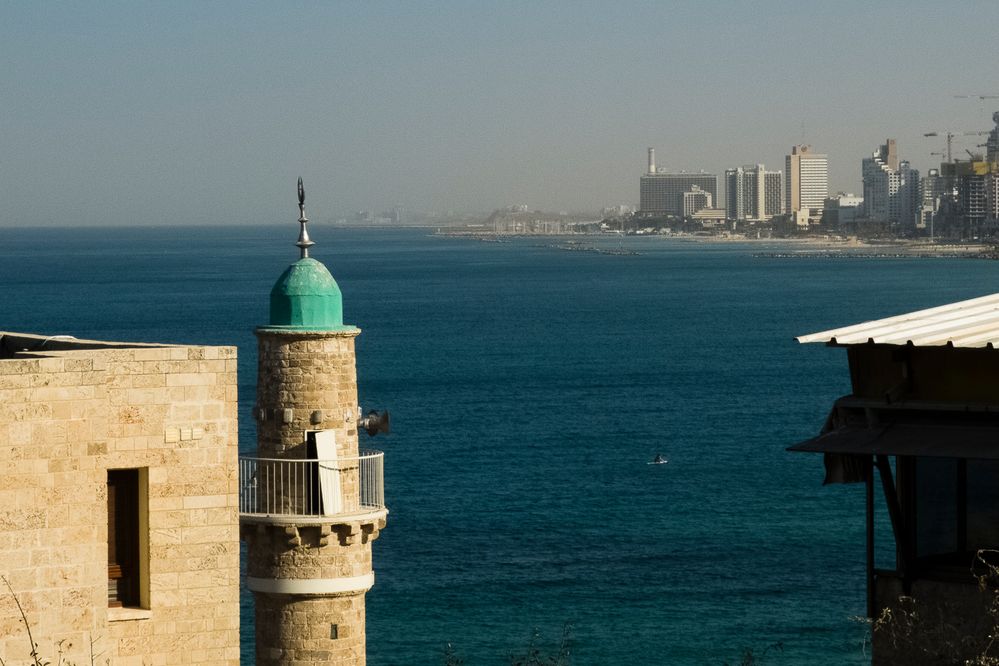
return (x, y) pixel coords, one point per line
(199, 114)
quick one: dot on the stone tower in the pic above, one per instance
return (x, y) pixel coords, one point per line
(311, 502)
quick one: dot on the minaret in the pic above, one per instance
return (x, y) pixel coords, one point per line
(310, 503)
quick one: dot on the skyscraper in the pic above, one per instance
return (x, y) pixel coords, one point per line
(661, 193)
(992, 143)
(752, 193)
(931, 190)
(806, 180)
(992, 181)
(891, 188)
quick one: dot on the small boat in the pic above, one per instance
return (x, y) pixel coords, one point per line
(658, 460)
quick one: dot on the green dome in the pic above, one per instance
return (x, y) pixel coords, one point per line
(306, 297)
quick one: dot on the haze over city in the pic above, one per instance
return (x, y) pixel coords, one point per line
(188, 113)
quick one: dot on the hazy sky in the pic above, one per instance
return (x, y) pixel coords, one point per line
(207, 112)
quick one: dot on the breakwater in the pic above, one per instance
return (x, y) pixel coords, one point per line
(573, 246)
(904, 254)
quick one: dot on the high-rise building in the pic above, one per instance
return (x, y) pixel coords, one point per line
(992, 195)
(992, 143)
(970, 195)
(752, 193)
(661, 193)
(891, 187)
(696, 199)
(773, 195)
(974, 196)
(806, 183)
(992, 182)
(931, 189)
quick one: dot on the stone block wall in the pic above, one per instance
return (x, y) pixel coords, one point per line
(309, 576)
(68, 416)
(304, 628)
(305, 373)
(298, 631)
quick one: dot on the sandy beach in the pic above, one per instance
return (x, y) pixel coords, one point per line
(831, 246)
(835, 246)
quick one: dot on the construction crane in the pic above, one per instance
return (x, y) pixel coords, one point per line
(981, 98)
(950, 137)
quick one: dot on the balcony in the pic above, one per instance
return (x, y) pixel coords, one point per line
(312, 491)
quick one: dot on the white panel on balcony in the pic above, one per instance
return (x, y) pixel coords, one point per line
(329, 474)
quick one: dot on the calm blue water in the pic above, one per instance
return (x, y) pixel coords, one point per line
(528, 388)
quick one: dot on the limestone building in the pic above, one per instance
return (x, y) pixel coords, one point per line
(123, 498)
(311, 502)
(118, 502)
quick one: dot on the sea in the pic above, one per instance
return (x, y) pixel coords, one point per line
(529, 387)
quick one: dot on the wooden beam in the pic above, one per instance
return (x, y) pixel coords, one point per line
(869, 487)
(894, 512)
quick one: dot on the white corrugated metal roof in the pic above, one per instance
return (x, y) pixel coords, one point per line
(971, 323)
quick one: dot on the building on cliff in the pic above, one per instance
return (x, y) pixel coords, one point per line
(123, 498)
(118, 501)
(922, 422)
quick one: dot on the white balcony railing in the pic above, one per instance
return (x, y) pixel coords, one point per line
(272, 487)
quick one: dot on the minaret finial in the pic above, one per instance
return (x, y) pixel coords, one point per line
(304, 241)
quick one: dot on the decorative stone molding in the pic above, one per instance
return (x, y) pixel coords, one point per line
(312, 586)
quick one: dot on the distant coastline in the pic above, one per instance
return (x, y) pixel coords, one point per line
(811, 246)
(853, 247)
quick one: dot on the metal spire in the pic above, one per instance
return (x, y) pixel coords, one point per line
(304, 242)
